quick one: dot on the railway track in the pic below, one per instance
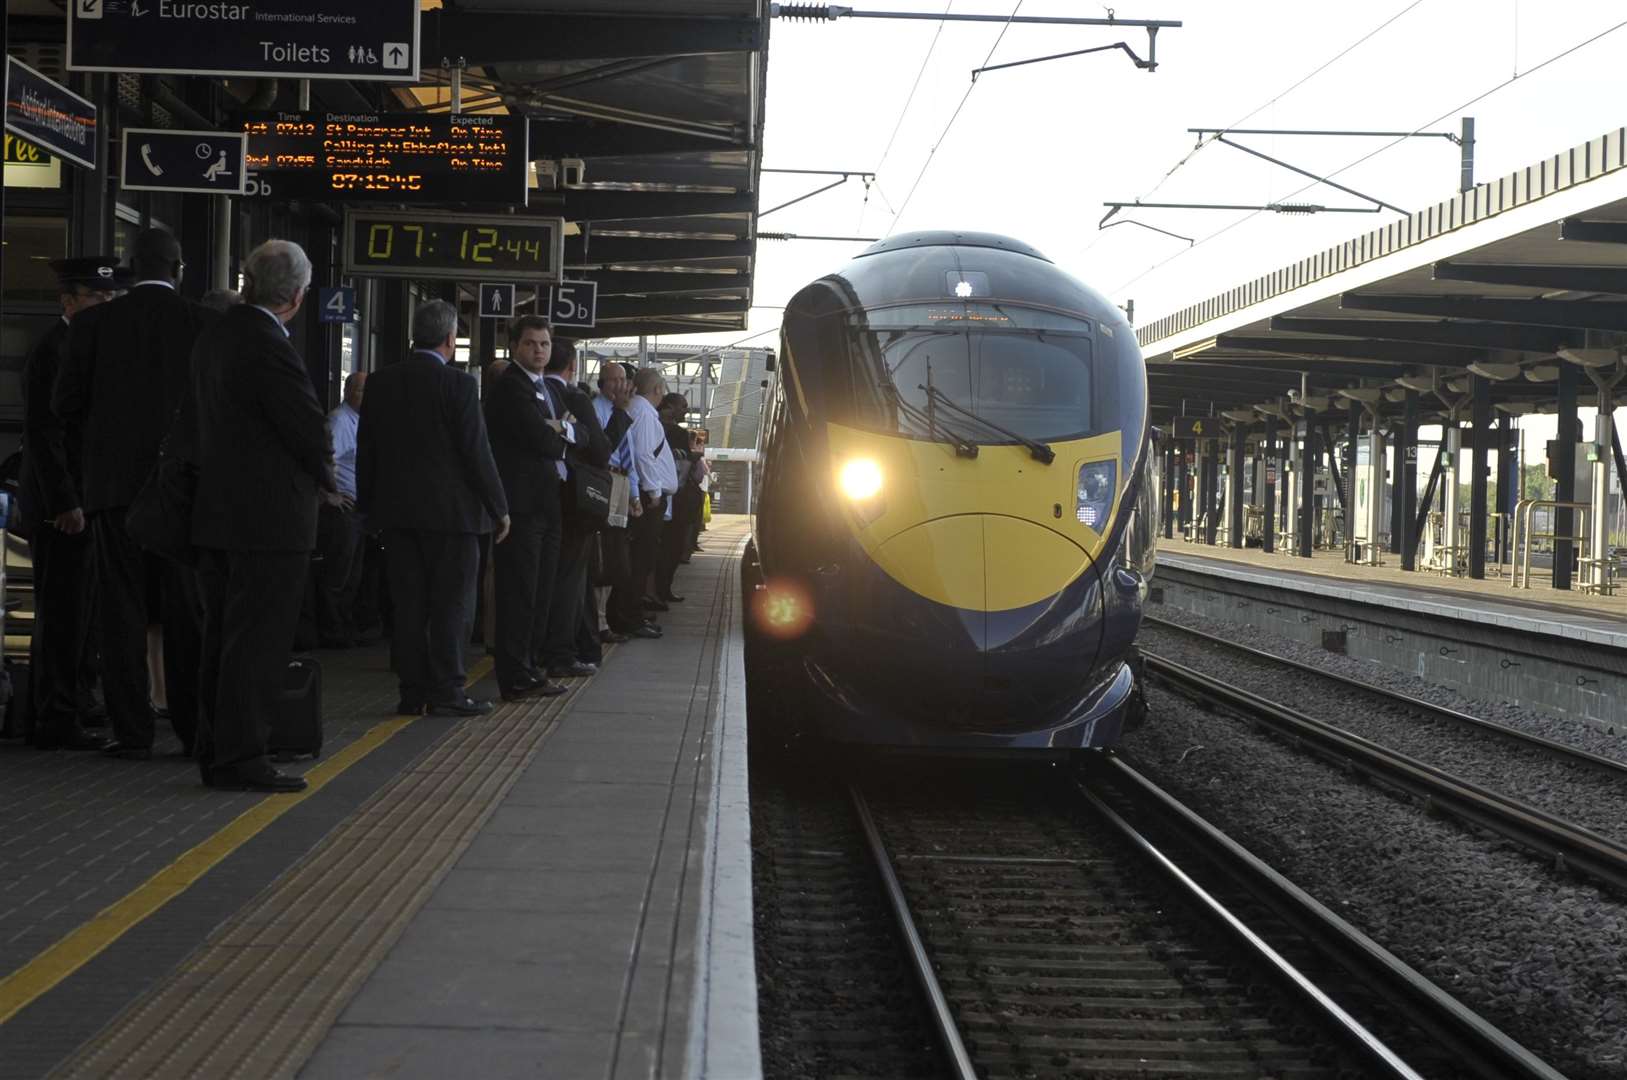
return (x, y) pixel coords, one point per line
(1046, 945)
(1466, 721)
(1568, 845)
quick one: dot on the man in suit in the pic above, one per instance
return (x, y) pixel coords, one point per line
(425, 477)
(53, 520)
(611, 406)
(339, 528)
(652, 463)
(588, 448)
(127, 370)
(260, 442)
(529, 428)
(675, 532)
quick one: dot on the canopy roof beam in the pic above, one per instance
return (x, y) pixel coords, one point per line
(1569, 314)
(1456, 335)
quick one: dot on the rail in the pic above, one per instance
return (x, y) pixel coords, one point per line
(1521, 577)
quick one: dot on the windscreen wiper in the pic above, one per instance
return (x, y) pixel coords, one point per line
(963, 446)
(1038, 450)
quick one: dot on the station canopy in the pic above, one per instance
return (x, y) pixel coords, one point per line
(1493, 282)
(662, 103)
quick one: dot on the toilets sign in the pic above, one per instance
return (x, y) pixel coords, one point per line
(305, 39)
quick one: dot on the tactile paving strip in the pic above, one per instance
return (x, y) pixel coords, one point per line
(265, 988)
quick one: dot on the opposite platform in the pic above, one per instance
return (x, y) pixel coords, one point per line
(558, 889)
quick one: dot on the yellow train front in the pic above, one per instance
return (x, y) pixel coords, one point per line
(956, 516)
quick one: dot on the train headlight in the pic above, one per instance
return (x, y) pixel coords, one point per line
(1095, 494)
(859, 479)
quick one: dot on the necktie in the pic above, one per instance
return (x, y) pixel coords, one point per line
(556, 411)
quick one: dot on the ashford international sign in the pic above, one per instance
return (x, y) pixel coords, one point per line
(305, 39)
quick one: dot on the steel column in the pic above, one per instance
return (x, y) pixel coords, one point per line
(1352, 434)
(1480, 419)
(1565, 465)
(1234, 477)
(1268, 501)
(1306, 483)
(1169, 489)
(1406, 456)
(1508, 484)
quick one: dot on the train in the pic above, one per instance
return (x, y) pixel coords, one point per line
(957, 505)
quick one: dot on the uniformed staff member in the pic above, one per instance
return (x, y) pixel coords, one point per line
(53, 519)
(127, 369)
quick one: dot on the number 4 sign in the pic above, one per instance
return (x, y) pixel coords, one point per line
(574, 304)
(337, 305)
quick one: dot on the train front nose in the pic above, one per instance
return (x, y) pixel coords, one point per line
(983, 621)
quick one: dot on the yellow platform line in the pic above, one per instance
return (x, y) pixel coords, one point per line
(35, 978)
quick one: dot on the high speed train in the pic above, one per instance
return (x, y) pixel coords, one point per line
(956, 520)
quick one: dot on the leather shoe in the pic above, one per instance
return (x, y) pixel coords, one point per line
(464, 706)
(127, 752)
(531, 688)
(573, 670)
(611, 637)
(229, 779)
(409, 708)
(645, 631)
(668, 598)
(652, 604)
(73, 738)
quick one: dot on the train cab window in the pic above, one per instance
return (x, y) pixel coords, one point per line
(1025, 370)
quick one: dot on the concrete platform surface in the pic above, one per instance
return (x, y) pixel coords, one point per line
(559, 889)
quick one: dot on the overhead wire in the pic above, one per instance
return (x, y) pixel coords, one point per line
(932, 153)
(1387, 146)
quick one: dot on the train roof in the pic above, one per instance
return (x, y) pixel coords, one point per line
(948, 238)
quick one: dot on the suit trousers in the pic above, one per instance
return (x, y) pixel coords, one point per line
(339, 539)
(589, 649)
(570, 587)
(127, 577)
(618, 570)
(251, 606)
(524, 566)
(643, 546)
(675, 537)
(432, 592)
(60, 643)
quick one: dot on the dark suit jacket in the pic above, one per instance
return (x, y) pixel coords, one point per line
(127, 370)
(50, 479)
(525, 447)
(422, 459)
(260, 438)
(592, 446)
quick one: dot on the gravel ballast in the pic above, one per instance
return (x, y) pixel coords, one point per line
(1568, 789)
(1537, 955)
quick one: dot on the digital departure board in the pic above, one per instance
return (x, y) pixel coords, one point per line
(391, 157)
(461, 247)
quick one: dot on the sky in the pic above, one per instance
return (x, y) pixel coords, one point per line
(1035, 150)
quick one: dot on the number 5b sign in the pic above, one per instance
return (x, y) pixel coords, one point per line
(574, 305)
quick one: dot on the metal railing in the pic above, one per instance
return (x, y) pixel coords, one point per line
(1521, 577)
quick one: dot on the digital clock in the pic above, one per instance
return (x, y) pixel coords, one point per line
(461, 247)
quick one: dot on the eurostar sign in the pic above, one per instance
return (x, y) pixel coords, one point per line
(306, 39)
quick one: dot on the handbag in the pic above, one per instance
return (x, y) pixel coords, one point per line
(590, 491)
(160, 516)
(620, 498)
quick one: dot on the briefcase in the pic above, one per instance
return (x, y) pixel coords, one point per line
(296, 728)
(590, 492)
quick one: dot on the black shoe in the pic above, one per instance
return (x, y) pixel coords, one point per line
(668, 598)
(573, 670)
(531, 688)
(611, 637)
(73, 738)
(652, 604)
(463, 706)
(410, 708)
(127, 752)
(269, 779)
(646, 631)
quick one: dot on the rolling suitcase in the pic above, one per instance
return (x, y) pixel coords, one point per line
(297, 728)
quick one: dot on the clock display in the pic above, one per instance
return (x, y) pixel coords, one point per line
(456, 246)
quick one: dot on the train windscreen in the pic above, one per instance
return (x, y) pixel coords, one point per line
(1024, 370)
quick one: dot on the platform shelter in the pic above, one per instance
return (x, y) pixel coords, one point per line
(1503, 301)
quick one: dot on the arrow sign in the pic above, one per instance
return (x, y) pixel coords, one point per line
(496, 301)
(210, 162)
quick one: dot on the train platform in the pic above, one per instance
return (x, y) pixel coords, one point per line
(1569, 614)
(558, 889)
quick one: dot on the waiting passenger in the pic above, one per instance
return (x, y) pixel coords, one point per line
(340, 531)
(652, 462)
(426, 478)
(127, 370)
(263, 461)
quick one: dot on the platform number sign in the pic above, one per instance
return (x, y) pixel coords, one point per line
(1196, 427)
(574, 305)
(337, 305)
(496, 301)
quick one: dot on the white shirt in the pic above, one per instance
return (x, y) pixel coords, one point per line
(170, 285)
(274, 317)
(541, 383)
(652, 457)
(621, 455)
